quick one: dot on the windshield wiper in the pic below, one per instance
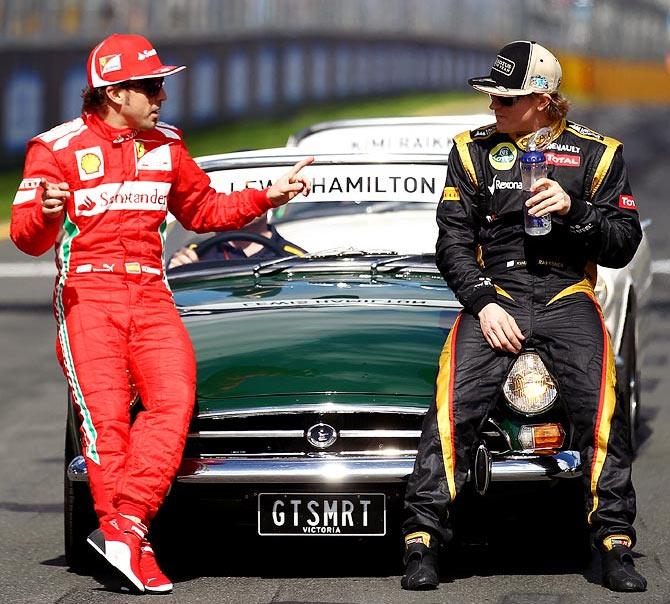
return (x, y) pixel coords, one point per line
(281, 264)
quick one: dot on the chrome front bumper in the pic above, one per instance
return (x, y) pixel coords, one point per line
(310, 470)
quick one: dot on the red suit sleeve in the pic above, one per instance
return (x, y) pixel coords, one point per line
(30, 230)
(201, 209)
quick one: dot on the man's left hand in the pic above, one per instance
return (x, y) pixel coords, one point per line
(290, 184)
(548, 198)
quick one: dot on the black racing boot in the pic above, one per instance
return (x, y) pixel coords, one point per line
(421, 561)
(619, 572)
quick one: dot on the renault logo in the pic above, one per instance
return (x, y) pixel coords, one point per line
(321, 436)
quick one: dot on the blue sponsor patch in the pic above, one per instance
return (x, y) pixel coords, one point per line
(539, 82)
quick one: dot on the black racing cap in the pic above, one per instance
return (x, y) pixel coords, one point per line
(521, 68)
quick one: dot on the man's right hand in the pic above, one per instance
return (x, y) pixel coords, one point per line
(53, 198)
(185, 255)
(500, 329)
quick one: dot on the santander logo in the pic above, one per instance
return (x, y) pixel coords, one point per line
(136, 195)
(86, 206)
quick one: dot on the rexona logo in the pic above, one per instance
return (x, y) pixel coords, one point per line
(503, 185)
(503, 156)
(146, 195)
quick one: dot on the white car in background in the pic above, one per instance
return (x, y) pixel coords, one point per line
(623, 293)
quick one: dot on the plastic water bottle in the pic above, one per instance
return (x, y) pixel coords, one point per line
(533, 167)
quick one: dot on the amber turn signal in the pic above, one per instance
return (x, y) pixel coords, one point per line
(542, 437)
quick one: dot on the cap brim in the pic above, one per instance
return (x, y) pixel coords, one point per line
(161, 72)
(490, 86)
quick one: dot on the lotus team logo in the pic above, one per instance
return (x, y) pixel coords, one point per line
(321, 436)
(503, 156)
(504, 65)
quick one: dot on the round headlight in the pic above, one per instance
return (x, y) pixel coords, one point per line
(529, 388)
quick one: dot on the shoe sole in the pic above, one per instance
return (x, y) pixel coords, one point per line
(117, 554)
(158, 591)
(427, 586)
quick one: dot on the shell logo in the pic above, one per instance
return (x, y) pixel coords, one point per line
(90, 163)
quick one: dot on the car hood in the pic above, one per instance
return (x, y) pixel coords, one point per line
(298, 343)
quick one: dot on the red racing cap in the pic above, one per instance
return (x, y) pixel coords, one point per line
(122, 57)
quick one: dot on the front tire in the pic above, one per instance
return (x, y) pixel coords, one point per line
(630, 382)
(79, 518)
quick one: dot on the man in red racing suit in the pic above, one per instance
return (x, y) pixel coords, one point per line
(99, 188)
(520, 290)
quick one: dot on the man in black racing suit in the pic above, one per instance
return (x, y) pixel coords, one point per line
(528, 291)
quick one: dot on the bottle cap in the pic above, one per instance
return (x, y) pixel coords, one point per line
(533, 157)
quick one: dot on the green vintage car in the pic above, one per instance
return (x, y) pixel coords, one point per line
(315, 371)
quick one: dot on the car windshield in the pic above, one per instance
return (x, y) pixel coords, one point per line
(306, 210)
(365, 203)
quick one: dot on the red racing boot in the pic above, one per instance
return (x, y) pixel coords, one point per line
(155, 581)
(118, 540)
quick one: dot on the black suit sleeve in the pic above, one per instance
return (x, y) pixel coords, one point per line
(608, 224)
(456, 248)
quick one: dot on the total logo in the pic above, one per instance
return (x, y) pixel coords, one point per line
(499, 185)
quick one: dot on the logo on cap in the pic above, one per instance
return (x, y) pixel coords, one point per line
(109, 63)
(145, 54)
(540, 82)
(503, 65)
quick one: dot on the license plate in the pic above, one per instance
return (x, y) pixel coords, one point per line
(322, 514)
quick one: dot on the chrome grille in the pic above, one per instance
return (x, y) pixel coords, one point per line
(359, 434)
(285, 434)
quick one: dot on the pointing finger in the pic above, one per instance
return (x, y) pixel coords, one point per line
(300, 165)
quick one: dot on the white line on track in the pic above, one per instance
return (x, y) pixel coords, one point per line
(27, 269)
(661, 267)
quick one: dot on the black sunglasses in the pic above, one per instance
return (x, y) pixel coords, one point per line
(506, 101)
(150, 86)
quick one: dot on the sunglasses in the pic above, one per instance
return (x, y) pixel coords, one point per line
(506, 101)
(150, 86)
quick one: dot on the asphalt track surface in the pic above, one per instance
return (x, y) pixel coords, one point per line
(528, 570)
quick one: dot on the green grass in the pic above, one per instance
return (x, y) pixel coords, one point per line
(255, 134)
